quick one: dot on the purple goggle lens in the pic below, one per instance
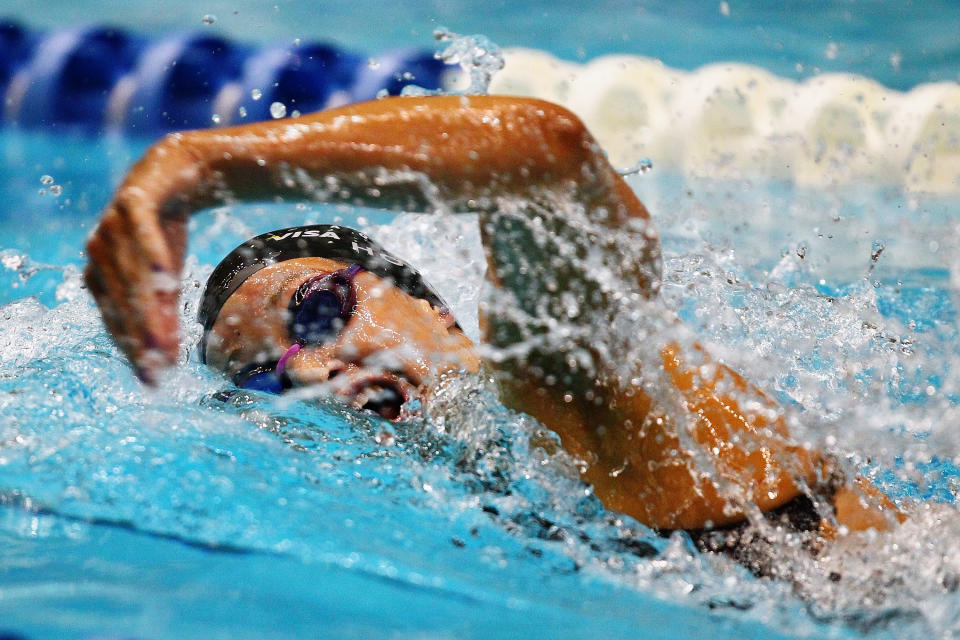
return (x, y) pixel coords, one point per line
(322, 306)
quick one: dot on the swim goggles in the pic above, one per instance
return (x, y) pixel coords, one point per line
(318, 311)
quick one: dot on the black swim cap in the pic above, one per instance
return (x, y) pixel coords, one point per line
(313, 241)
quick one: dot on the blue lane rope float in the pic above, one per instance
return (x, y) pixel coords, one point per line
(68, 76)
(15, 47)
(99, 78)
(175, 84)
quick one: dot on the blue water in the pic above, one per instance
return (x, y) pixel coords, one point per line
(185, 513)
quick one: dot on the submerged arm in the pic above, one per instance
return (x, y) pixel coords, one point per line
(460, 153)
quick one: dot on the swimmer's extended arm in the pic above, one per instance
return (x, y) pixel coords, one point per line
(469, 151)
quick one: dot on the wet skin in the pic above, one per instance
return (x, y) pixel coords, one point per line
(730, 446)
(392, 340)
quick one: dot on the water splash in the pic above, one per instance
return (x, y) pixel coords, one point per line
(476, 55)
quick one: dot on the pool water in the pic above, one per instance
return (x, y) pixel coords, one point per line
(193, 512)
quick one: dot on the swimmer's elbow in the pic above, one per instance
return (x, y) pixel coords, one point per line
(563, 125)
(566, 149)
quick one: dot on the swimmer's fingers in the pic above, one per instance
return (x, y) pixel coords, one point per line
(137, 291)
(110, 286)
(102, 287)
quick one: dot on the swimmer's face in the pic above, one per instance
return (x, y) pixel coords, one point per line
(389, 347)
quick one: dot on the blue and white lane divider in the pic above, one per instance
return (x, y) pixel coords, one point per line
(97, 77)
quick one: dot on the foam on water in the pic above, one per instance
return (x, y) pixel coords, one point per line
(837, 302)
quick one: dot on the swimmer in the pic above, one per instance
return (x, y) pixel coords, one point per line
(324, 305)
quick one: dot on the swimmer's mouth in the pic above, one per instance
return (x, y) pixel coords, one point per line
(383, 394)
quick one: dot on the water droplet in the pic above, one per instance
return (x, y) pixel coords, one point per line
(644, 165)
(41, 192)
(11, 261)
(56, 190)
(877, 250)
(208, 19)
(895, 59)
(46, 179)
(296, 42)
(373, 64)
(832, 50)
(295, 114)
(725, 8)
(278, 110)
(242, 111)
(256, 94)
(216, 118)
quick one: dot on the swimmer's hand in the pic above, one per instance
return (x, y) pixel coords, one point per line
(456, 152)
(136, 254)
(134, 276)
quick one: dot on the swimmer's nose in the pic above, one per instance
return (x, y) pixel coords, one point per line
(336, 370)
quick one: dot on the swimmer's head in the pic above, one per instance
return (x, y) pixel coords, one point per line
(325, 304)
